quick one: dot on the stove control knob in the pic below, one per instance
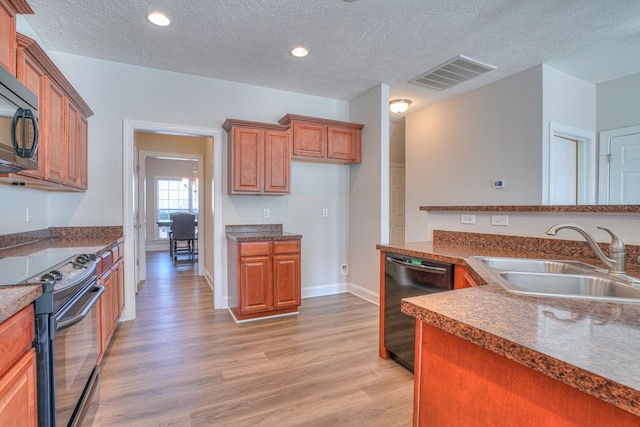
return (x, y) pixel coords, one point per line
(56, 274)
(82, 259)
(47, 278)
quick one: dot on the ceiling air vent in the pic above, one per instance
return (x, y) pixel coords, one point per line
(452, 72)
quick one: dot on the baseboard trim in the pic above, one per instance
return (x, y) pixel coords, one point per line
(322, 290)
(364, 293)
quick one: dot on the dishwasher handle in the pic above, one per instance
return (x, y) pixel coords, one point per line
(419, 267)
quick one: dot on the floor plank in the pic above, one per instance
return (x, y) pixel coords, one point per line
(182, 363)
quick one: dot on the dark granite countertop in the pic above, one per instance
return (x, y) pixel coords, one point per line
(15, 298)
(590, 345)
(259, 233)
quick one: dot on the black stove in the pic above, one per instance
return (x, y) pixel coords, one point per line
(68, 280)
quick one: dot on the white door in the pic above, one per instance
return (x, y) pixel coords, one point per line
(624, 165)
(563, 171)
(396, 193)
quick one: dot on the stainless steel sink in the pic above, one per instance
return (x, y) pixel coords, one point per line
(570, 286)
(536, 265)
(560, 279)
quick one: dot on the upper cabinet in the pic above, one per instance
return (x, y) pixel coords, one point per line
(62, 150)
(259, 158)
(324, 140)
(8, 11)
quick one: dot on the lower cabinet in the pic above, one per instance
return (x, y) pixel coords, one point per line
(112, 300)
(18, 398)
(264, 278)
(462, 279)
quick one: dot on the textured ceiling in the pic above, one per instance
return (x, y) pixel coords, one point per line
(353, 45)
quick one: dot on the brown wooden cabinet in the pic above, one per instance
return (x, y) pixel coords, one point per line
(8, 11)
(462, 279)
(459, 383)
(18, 399)
(259, 158)
(264, 278)
(63, 144)
(111, 276)
(324, 140)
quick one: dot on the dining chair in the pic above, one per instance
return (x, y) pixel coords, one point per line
(183, 234)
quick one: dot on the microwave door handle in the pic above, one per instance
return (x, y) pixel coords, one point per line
(69, 322)
(24, 115)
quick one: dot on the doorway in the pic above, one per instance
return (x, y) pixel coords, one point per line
(619, 170)
(212, 232)
(569, 167)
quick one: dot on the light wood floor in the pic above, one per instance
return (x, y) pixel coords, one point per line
(181, 363)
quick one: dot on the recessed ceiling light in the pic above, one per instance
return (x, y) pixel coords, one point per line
(299, 52)
(159, 19)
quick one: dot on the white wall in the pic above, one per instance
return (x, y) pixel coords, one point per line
(13, 209)
(618, 103)
(455, 149)
(369, 201)
(116, 92)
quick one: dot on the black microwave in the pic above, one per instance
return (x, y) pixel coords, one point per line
(18, 125)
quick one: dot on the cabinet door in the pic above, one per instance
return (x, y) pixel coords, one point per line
(54, 164)
(309, 140)
(246, 159)
(286, 281)
(277, 163)
(106, 312)
(72, 139)
(7, 39)
(462, 279)
(342, 143)
(32, 76)
(18, 399)
(255, 285)
(83, 151)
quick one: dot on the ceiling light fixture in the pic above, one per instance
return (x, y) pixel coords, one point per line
(299, 52)
(159, 19)
(399, 106)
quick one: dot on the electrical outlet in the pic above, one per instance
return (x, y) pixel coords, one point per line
(266, 213)
(28, 218)
(325, 213)
(500, 220)
(467, 219)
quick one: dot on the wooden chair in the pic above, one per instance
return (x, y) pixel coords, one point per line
(183, 234)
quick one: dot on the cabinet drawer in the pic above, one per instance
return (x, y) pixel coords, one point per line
(16, 336)
(254, 248)
(286, 247)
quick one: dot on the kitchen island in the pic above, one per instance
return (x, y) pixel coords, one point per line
(485, 356)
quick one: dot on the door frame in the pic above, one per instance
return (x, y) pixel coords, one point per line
(142, 191)
(586, 162)
(603, 164)
(128, 164)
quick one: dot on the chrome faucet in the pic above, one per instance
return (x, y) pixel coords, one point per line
(617, 256)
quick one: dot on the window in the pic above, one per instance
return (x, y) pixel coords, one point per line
(174, 195)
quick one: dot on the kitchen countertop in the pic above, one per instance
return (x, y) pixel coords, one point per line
(259, 233)
(15, 298)
(590, 345)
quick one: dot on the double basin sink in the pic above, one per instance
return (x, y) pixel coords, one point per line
(561, 279)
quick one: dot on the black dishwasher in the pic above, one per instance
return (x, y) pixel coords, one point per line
(405, 277)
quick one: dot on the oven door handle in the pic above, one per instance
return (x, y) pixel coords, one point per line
(419, 267)
(65, 323)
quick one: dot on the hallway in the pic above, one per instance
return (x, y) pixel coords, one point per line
(181, 363)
